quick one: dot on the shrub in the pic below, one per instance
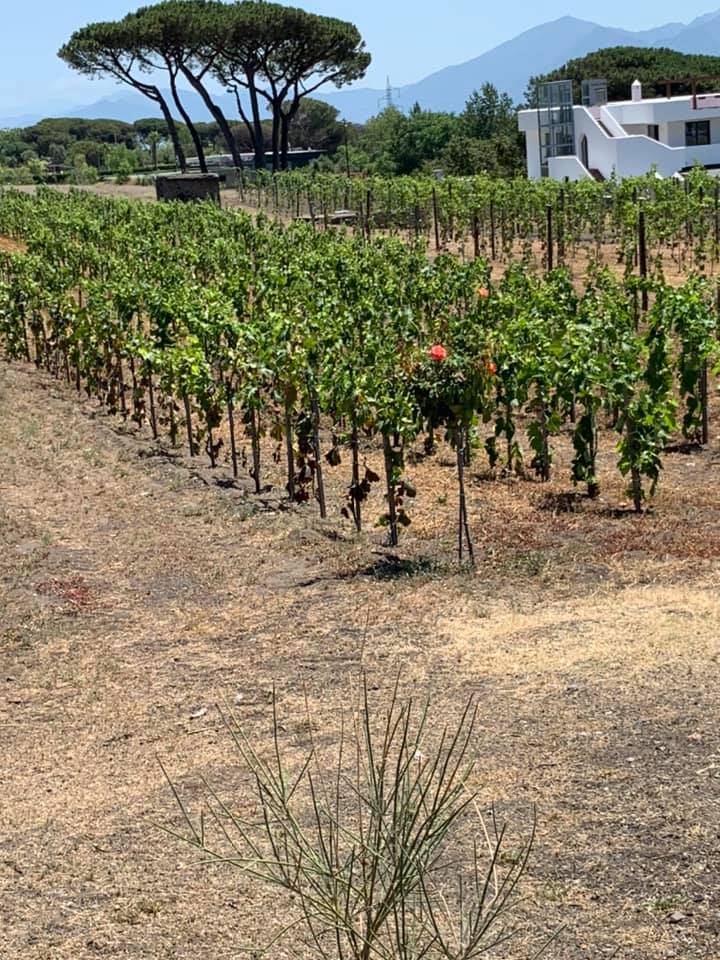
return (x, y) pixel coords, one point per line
(372, 847)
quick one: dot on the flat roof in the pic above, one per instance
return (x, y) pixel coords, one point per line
(646, 100)
(683, 97)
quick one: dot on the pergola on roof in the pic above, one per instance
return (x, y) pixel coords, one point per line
(691, 82)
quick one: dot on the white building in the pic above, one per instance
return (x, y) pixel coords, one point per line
(626, 138)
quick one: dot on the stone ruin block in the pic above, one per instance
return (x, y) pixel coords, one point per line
(188, 187)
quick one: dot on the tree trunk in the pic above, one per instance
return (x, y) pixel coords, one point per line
(173, 131)
(285, 120)
(276, 124)
(189, 124)
(217, 115)
(258, 135)
(246, 120)
(284, 140)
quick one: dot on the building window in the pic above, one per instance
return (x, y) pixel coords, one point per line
(653, 131)
(697, 133)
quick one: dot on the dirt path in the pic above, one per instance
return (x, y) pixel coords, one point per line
(135, 592)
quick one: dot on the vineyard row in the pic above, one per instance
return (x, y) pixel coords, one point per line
(201, 322)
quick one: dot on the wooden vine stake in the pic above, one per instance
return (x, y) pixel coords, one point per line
(311, 208)
(26, 343)
(151, 396)
(255, 442)
(705, 428)
(464, 537)
(121, 388)
(642, 257)
(493, 244)
(476, 234)
(210, 447)
(289, 452)
(635, 478)
(544, 459)
(389, 471)
(549, 237)
(561, 228)
(318, 453)
(436, 219)
(172, 428)
(188, 425)
(231, 424)
(356, 503)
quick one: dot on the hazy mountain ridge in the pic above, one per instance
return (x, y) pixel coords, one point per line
(509, 66)
(538, 50)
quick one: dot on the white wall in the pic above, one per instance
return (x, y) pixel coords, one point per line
(532, 152)
(676, 131)
(660, 111)
(637, 155)
(567, 168)
(627, 154)
(703, 155)
(675, 136)
(613, 126)
(601, 147)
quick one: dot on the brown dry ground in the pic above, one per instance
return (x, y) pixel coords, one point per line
(138, 587)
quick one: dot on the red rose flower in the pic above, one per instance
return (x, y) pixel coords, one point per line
(491, 367)
(483, 293)
(437, 352)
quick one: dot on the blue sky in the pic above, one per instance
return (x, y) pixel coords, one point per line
(407, 38)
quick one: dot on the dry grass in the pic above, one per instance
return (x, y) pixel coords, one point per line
(136, 589)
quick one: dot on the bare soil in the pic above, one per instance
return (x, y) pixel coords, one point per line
(139, 588)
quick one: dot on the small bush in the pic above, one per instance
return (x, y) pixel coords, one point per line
(373, 845)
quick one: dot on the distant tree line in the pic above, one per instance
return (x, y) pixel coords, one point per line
(482, 138)
(114, 146)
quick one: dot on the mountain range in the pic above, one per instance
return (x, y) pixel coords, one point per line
(509, 66)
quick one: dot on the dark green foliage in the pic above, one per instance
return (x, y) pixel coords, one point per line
(482, 139)
(316, 126)
(620, 66)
